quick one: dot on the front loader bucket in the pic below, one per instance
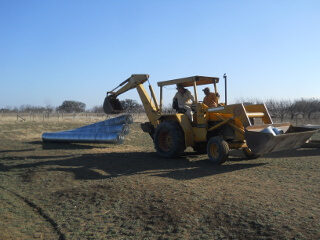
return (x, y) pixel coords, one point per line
(264, 142)
(112, 105)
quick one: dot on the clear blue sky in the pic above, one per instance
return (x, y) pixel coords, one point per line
(51, 51)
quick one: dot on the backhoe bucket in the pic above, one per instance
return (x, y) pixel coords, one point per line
(112, 105)
(263, 139)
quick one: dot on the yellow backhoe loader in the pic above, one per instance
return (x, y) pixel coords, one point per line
(213, 130)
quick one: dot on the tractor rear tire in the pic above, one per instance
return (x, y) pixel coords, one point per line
(169, 139)
(218, 150)
(249, 154)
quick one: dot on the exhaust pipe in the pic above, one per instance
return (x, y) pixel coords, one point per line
(225, 89)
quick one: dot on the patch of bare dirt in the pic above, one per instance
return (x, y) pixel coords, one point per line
(104, 191)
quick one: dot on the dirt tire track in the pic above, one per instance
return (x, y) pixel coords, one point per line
(40, 212)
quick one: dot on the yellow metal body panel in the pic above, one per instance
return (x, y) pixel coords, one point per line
(239, 112)
(223, 113)
(219, 124)
(200, 134)
(235, 110)
(149, 106)
(130, 83)
(210, 116)
(200, 115)
(236, 124)
(200, 130)
(259, 108)
(255, 115)
(154, 98)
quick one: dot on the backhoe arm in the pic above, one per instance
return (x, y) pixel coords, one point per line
(112, 105)
(130, 83)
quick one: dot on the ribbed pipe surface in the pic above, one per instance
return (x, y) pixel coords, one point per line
(124, 119)
(108, 131)
(75, 137)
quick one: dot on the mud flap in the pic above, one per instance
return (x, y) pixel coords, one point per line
(263, 143)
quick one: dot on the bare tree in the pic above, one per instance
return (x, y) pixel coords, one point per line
(7, 109)
(130, 106)
(272, 107)
(97, 109)
(278, 108)
(29, 108)
(307, 107)
(72, 106)
(313, 107)
(48, 106)
(292, 109)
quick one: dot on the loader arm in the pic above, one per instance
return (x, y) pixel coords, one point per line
(130, 83)
(113, 105)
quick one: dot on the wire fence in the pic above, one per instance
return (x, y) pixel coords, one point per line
(63, 117)
(95, 117)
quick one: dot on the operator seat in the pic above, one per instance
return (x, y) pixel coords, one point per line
(175, 106)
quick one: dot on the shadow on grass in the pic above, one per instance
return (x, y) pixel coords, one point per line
(34, 158)
(19, 150)
(3, 168)
(65, 146)
(111, 165)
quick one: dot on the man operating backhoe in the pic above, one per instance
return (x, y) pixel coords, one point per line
(185, 99)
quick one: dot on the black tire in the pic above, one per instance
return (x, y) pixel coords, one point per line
(249, 154)
(218, 150)
(169, 139)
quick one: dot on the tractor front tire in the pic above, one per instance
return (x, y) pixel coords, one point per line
(169, 139)
(218, 150)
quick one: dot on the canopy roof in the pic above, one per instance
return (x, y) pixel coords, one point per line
(187, 82)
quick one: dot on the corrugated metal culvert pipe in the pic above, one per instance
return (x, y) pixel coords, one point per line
(111, 130)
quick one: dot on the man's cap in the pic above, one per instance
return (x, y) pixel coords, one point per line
(206, 89)
(179, 86)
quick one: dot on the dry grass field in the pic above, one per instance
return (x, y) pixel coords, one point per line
(104, 191)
